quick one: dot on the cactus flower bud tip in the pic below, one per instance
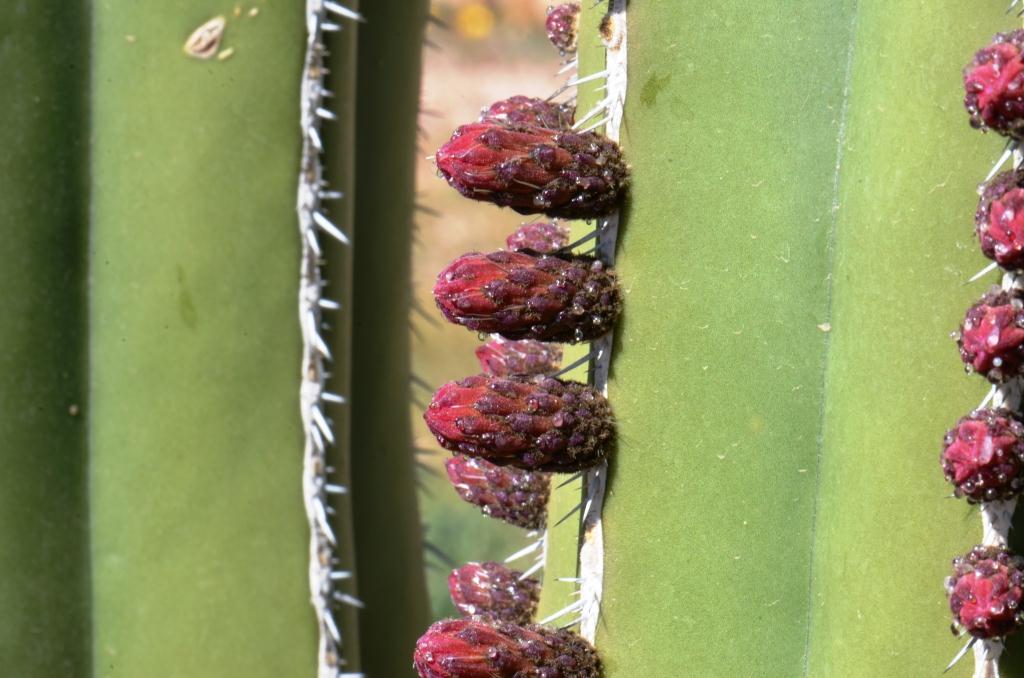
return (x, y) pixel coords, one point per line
(505, 493)
(472, 648)
(494, 592)
(534, 170)
(524, 296)
(985, 592)
(532, 423)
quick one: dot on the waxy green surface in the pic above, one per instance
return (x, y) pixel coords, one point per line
(794, 254)
(152, 519)
(199, 540)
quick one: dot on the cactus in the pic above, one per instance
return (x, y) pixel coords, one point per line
(812, 378)
(153, 518)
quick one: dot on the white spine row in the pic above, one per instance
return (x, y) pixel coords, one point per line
(324, 575)
(592, 546)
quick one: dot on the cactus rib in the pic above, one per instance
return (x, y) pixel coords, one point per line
(323, 579)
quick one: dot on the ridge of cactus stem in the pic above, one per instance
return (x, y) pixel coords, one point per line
(533, 170)
(609, 112)
(505, 493)
(324, 578)
(533, 423)
(566, 298)
(542, 237)
(981, 457)
(523, 110)
(494, 592)
(473, 648)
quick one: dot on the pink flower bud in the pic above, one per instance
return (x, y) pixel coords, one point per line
(502, 357)
(541, 237)
(509, 494)
(994, 86)
(983, 457)
(563, 25)
(985, 592)
(494, 592)
(522, 296)
(576, 175)
(520, 110)
(991, 337)
(533, 423)
(1000, 220)
(470, 648)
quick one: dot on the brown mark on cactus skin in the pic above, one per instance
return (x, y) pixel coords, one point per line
(991, 337)
(533, 170)
(522, 110)
(994, 86)
(505, 493)
(494, 592)
(563, 298)
(983, 456)
(205, 40)
(541, 237)
(503, 357)
(999, 221)
(985, 592)
(533, 423)
(562, 24)
(472, 648)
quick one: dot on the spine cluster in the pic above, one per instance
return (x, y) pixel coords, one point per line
(517, 422)
(983, 454)
(325, 575)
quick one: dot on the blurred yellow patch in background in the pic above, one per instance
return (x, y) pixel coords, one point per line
(474, 21)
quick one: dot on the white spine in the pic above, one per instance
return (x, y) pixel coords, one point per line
(323, 578)
(592, 547)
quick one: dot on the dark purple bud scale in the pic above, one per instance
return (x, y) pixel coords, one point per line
(562, 298)
(983, 456)
(494, 592)
(472, 648)
(562, 24)
(539, 237)
(534, 170)
(521, 110)
(985, 592)
(533, 423)
(505, 493)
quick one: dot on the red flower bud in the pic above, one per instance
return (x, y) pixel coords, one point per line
(509, 494)
(522, 296)
(991, 337)
(576, 175)
(994, 86)
(502, 357)
(470, 648)
(563, 24)
(1000, 220)
(983, 456)
(541, 237)
(533, 423)
(520, 110)
(985, 592)
(494, 592)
